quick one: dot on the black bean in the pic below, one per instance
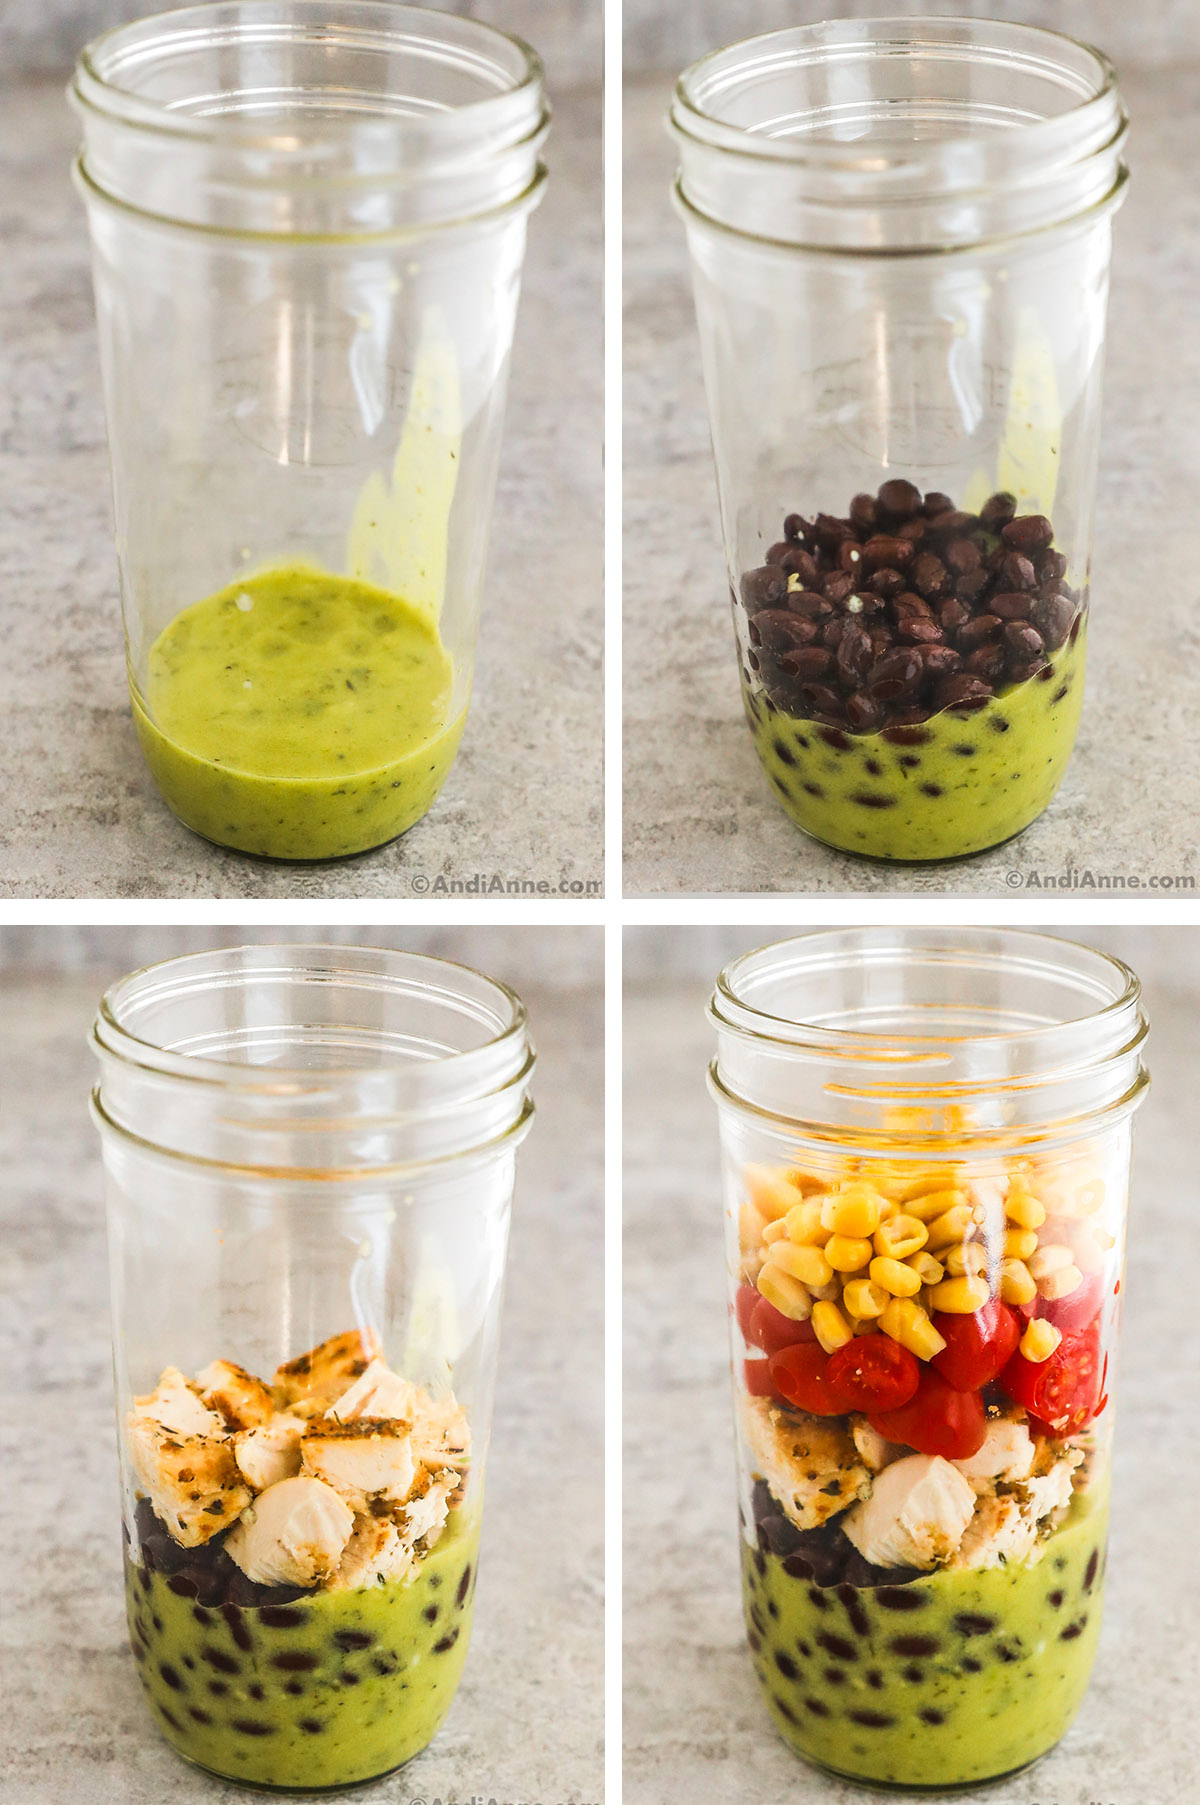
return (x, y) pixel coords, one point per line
(930, 577)
(885, 552)
(983, 627)
(998, 510)
(899, 498)
(1015, 572)
(763, 587)
(1028, 533)
(1011, 604)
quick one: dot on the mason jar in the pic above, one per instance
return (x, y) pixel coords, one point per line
(308, 222)
(926, 1145)
(900, 234)
(309, 1154)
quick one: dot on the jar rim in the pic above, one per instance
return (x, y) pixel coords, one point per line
(94, 85)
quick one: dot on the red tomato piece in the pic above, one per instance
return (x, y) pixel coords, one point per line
(744, 1305)
(800, 1375)
(873, 1372)
(1063, 1392)
(771, 1330)
(978, 1347)
(1077, 1309)
(936, 1420)
(757, 1378)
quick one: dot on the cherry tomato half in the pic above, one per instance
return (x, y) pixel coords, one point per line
(1063, 1392)
(771, 1330)
(936, 1420)
(874, 1373)
(744, 1305)
(800, 1375)
(1077, 1309)
(978, 1347)
(757, 1376)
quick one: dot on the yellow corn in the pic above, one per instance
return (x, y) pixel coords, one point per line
(832, 1329)
(771, 1192)
(750, 1227)
(846, 1254)
(775, 1231)
(927, 1269)
(1090, 1197)
(853, 1212)
(1017, 1284)
(951, 1225)
(786, 1293)
(1052, 1257)
(865, 1299)
(804, 1224)
(908, 1324)
(903, 1235)
(961, 1296)
(1019, 1243)
(808, 1264)
(966, 1260)
(1023, 1208)
(894, 1277)
(1040, 1340)
(932, 1204)
(1060, 1283)
(865, 1325)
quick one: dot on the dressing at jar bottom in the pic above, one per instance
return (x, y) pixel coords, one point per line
(330, 1689)
(954, 785)
(299, 715)
(951, 1678)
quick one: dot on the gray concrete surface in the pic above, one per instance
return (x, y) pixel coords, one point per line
(79, 814)
(699, 814)
(694, 1726)
(528, 1719)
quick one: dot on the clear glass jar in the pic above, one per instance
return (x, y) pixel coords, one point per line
(309, 1155)
(926, 1140)
(308, 222)
(900, 234)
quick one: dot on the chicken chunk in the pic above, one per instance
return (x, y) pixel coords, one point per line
(294, 1534)
(916, 1515)
(175, 1406)
(876, 1452)
(809, 1462)
(192, 1481)
(998, 1534)
(441, 1435)
(312, 1382)
(375, 1553)
(1007, 1451)
(240, 1399)
(1049, 1486)
(363, 1460)
(378, 1392)
(271, 1451)
(422, 1516)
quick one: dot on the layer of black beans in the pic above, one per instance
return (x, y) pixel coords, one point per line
(207, 1574)
(825, 1556)
(905, 608)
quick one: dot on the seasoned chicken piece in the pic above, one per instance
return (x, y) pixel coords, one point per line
(916, 1514)
(191, 1480)
(1007, 1451)
(809, 1462)
(270, 1452)
(294, 1534)
(313, 1381)
(998, 1534)
(375, 1553)
(378, 1392)
(236, 1395)
(876, 1452)
(440, 1432)
(175, 1406)
(364, 1460)
(1048, 1488)
(422, 1516)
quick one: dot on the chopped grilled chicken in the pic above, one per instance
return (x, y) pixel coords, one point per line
(175, 1406)
(422, 1516)
(440, 1433)
(313, 1381)
(363, 1460)
(916, 1514)
(997, 1534)
(809, 1462)
(1048, 1488)
(294, 1534)
(1007, 1451)
(192, 1481)
(876, 1452)
(270, 1452)
(236, 1395)
(378, 1392)
(375, 1553)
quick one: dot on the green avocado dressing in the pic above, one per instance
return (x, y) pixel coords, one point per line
(299, 715)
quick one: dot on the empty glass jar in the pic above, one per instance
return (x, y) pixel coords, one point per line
(310, 1156)
(308, 223)
(900, 233)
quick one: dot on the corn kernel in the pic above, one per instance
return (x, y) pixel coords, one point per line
(865, 1299)
(908, 1324)
(1024, 1209)
(1090, 1197)
(804, 1224)
(1104, 1241)
(895, 1277)
(853, 1212)
(1017, 1284)
(1040, 1340)
(961, 1296)
(771, 1192)
(927, 1269)
(846, 1254)
(750, 1228)
(865, 1325)
(936, 1203)
(1019, 1243)
(1050, 1258)
(903, 1235)
(966, 1260)
(830, 1293)
(808, 1264)
(832, 1329)
(786, 1293)
(1060, 1283)
(952, 1225)
(775, 1231)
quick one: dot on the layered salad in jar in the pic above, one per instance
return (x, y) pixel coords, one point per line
(922, 1355)
(300, 1564)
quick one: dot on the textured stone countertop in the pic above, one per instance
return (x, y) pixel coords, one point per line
(528, 1719)
(694, 1724)
(699, 814)
(79, 814)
